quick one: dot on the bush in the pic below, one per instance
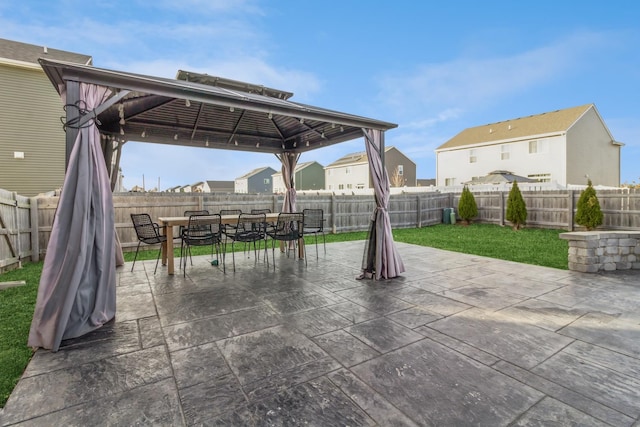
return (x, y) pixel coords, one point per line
(467, 207)
(516, 208)
(589, 214)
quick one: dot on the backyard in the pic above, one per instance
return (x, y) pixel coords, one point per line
(532, 246)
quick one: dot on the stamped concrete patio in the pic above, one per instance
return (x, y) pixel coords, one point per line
(458, 340)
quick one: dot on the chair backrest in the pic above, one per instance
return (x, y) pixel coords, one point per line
(144, 227)
(259, 211)
(203, 226)
(252, 223)
(313, 220)
(289, 226)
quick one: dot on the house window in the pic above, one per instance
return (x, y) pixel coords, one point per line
(449, 181)
(472, 156)
(349, 186)
(504, 152)
(266, 181)
(330, 186)
(329, 172)
(359, 186)
(340, 186)
(400, 170)
(540, 177)
(533, 147)
(347, 170)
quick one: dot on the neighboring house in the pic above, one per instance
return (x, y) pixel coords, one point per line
(352, 171)
(32, 141)
(257, 181)
(565, 146)
(308, 176)
(175, 189)
(220, 186)
(200, 187)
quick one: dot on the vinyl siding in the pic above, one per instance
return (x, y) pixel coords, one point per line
(30, 111)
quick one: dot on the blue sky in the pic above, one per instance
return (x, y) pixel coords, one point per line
(434, 68)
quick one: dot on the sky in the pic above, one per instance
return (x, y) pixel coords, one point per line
(433, 67)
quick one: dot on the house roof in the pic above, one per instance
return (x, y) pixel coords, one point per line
(354, 159)
(540, 124)
(30, 53)
(255, 172)
(300, 166)
(192, 114)
(220, 184)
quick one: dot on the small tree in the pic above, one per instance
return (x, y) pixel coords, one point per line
(589, 214)
(467, 207)
(516, 208)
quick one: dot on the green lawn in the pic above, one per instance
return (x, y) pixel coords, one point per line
(532, 246)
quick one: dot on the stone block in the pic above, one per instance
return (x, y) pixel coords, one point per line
(632, 258)
(636, 266)
(613, 242)
(611, 250)
(609, 266)
(623, 266)
(628, 242)
(593, 268)
(584, 243)
(623, 250)
(584, 259)
(599, 251)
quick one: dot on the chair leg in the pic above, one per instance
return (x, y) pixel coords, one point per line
(316, 236)
(135, 256)
(324, 243)
(157, 260)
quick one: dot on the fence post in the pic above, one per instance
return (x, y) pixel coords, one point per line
(419, 211)
(35, 232)
(333, 213)
(17, 229)
(570, 211)
(502, 211)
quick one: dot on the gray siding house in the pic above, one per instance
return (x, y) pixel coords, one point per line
(257, 181)
(308, 176)
(32, 141)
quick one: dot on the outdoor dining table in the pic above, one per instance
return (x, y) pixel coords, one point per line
(168, 222)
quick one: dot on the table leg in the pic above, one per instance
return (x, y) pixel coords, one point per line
(163, 247)
(169, 251)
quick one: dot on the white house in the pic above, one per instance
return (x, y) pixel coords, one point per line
(565, 146)
(352, 171)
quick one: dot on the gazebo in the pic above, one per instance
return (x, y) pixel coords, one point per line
(106, 108)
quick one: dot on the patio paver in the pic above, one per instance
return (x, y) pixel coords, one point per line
(457, 340)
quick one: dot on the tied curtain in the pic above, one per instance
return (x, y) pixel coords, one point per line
(381, 259)
(289, 162)
(77, 292)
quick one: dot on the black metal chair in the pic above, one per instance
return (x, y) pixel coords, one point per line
(148, 232)
(250, 228)
(202, 230)
(288, 229)
(314, 224)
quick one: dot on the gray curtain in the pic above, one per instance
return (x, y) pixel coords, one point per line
(77, 291)
(289, 162)
(381, 259)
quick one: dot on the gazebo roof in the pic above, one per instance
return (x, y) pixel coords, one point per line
(201, 113)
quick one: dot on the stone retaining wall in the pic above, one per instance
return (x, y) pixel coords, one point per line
(593, 251)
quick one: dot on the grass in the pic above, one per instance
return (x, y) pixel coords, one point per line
(531, 246)
(16, 311)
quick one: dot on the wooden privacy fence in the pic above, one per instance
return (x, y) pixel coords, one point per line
(25, 223)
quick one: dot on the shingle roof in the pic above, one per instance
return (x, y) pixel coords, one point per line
(254, 172)
(30, 53)
(300, 166)
(540, 124)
